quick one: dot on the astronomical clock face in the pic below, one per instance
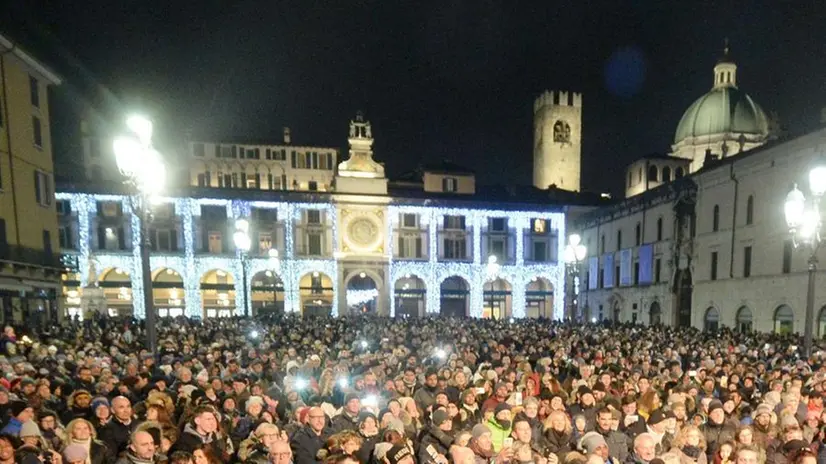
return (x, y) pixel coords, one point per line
(363, 231)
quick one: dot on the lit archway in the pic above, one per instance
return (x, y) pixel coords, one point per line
(316, 290)
(267, 293)
(117, 289)
(497, 297)
(168, 292)
(218, 293)
(744, 320)
(783, 320)
(711, 321)
(454, 297)
(362, 294)
(539, 298)
(821, 323)
(655, 314)
(71, 291)
(411, 296)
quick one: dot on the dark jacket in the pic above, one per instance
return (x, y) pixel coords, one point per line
(365, 453)
(559, 444)
(220, 445)
(305, 445)
(344, 422)
(618, 443)
(100, 453)
(716, 434)
(116, 435)
(435, 437)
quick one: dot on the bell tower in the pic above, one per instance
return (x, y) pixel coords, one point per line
(557, 140)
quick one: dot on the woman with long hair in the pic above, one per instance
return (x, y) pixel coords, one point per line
(202, 454)
(559, 434)
(648, 403)
(81, 432)
(690, 444)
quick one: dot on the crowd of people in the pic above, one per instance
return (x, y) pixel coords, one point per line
(370, 390)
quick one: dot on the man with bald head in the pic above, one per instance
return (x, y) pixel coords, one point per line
(644, 449)
(309, 439)
(117, 432)
(141, 449)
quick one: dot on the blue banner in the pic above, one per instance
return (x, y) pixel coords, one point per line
(646, 264)
(626, 273)
(608, 271)
(593, 272)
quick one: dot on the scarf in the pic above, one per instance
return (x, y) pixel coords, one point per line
(692, 451)
(87, 444)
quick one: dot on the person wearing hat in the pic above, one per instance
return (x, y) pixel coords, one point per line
(51, 430)
(469, 410)
(500, 395)
(585, 405)
(75, 454)
(500, 425)
(482, 446)
(764, 432)
(656, 427)
(348, 417)
(716, 430)
(20, 412)
(592, 443)
(101, 412)
(369, 432)
(437, 436)
(79, 406)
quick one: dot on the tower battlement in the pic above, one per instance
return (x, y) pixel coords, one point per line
(558, 98)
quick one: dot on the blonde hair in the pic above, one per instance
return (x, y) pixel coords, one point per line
(682, 437)
(547, 424)
(70, 427)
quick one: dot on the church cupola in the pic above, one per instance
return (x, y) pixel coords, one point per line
(725, 72)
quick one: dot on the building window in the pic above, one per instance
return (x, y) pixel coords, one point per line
(454, 223)
(602, 244)
(496, 225)
(455, 248)
(37, 132)
(314, 244)
(747, 261)
(34, 90)
(64, 238)
(659, 229)
(750, 210)
(499, 248)
(252, 181)
(713, 265)
(657, 270)
(637, 273)
(629, 179)
(715, 218)
(215, 243)
(313, 216)
(678, 174)
(198, 150)
(788, 248)
(540, 252)
(410, 247)
(410, 221)
(448, 184)
(42, 188)
(63, 207)
(666, 174)
(47, 242)
(312, 186)
(619, 240)
(652, 174)
(638, 235)
(539, 227)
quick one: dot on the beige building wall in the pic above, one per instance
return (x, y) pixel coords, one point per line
(435, 182)
(557, 140)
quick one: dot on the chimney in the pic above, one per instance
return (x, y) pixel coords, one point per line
(287, 138)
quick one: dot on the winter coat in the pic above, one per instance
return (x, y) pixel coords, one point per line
(306, 443)
(435, 437)
(343, 422)
(701, 457)
(221, 446)
(116, 435)
(559, 444)
(716, 434)
(497, 433)
(425, 397)
(618, 443)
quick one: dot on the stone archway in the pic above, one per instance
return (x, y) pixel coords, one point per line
(168, 292)
(455, 297)
(711, 320)
(218, 293)
(410, 293)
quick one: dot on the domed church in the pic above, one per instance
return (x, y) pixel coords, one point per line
(724, 122)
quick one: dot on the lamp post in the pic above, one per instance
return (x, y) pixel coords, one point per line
(275, 261)
(241, 237)
(144, 172)
(492, 269)
(574, 254)
(804, 225)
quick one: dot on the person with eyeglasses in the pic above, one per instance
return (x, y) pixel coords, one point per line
(308, 440)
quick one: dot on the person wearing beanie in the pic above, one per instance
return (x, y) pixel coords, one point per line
(20, 412)
(50, 428)
(30, 435)
(716, 430)
(594, 443)
(101, 412)
(500, 425)
(75, 454)
(437, 435)
(369, 432)
(764, 432)
(348, 417)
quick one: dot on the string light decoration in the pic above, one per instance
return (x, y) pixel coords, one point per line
(193, 264)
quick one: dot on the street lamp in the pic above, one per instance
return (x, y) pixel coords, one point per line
(574, 253)
(275, 261)
(804, 225)
(144, 172)
(241, 237)
(493, 270)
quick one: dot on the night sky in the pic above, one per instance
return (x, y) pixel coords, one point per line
(438, 79)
